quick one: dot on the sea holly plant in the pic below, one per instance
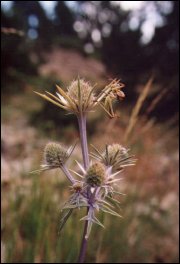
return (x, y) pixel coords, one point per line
(94, 185)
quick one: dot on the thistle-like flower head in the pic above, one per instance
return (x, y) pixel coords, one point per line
(114, 155)
(82, 89)
(55, 154)
(79, 97)
(95, 175)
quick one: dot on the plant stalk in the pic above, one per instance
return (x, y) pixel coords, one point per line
(84, 146)
(83, 243)
(67, 173)
(83, 137)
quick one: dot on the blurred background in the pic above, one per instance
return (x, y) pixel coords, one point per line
(44, 43)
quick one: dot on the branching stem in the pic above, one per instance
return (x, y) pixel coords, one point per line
(67, 173)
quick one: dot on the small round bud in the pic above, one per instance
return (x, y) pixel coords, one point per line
(77, 187)
(95, 175)
(55, 155)
(85, 89)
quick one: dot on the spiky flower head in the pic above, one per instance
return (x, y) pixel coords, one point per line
(55, 154)
(78, 98)
(114, 155)
(114, 150)
(84, 88)
(96, 174)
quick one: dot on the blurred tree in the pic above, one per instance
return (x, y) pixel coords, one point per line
(123, 53)
(161, 54)
(31, 17)
(15, 59)
(162, 51)
(64, 19)
(106, 27)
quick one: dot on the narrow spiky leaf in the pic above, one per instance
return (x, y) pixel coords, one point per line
(64, 219)
(50, 100)
(108, 210)
(97, 151)
(53, 96)
(79, 95)
(89, 96)
(65, 96)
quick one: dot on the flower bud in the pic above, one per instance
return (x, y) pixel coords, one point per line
(77, 187)
(95, 175)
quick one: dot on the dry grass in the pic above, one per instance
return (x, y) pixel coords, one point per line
(136, 109)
